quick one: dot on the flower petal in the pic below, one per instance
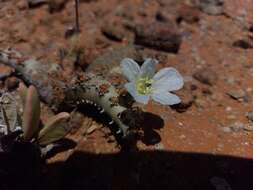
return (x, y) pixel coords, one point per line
(168, 79)
(131, 88)
(130, 69)
(148, 67)
(165, 98)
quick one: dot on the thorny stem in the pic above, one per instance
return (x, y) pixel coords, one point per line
(77, 16)
(89, 91)
(55, 93)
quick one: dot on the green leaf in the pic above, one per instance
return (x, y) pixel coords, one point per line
(31, 116)
(55, 128)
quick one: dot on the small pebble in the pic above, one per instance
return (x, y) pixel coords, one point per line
(249, 116)
(91, 129)
(226, 129)
(159, 146)
(22, 4)
(206, 76)
(239, 95)
(228, 109)
(244, 44)
(237, 126)
(248, 128)
(182, 136)
(11, 83)
(211, 7)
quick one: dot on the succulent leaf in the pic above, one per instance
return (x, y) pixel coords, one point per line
(55, 128)
(31, 116)
(22, 90)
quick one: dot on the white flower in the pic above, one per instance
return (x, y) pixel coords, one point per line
(145, 84)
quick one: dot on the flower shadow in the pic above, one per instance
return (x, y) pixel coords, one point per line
(144, 124)
(151, 123)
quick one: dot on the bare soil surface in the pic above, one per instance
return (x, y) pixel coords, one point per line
(206, 142)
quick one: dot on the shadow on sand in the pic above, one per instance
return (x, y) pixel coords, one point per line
(150, 170)
(22, 168)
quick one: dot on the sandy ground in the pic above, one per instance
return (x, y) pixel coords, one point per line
(204, 143)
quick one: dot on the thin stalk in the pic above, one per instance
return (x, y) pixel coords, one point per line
(77, 16)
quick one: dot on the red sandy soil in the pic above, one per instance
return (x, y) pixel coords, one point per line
(207, 144)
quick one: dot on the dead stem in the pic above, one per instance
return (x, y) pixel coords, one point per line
(77, 28)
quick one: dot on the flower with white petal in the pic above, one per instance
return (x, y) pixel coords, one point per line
(144, 83)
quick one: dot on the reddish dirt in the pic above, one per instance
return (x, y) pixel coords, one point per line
(196, 147)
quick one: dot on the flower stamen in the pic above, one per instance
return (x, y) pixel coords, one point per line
(144, 85)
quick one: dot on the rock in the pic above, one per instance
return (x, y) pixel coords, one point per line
(104, 63)
(248, 128)
(160, 36)
(228, 109)
(159, 146)
(230, 80)
(243, 43)
(207, 92)
(251, 28)
(22, 4)
(200, 103)
(112, 31)
(226, 129)
(91, 129)
(4, 75)
(193, 87)
(249, 116)
(206, 76)
(11, 83)
(188, 14)
(56, 5)
(21, 32)
(238, 127)
(249, 67)
(239, 95)
(161, 16)
(231, 117)
(247, 98)
(211, 7)
(34, 3)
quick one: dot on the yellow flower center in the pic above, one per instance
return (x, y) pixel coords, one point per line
(143, 85)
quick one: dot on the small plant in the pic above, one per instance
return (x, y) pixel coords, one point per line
(75, 50)
(145, 83)
(31, 129)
